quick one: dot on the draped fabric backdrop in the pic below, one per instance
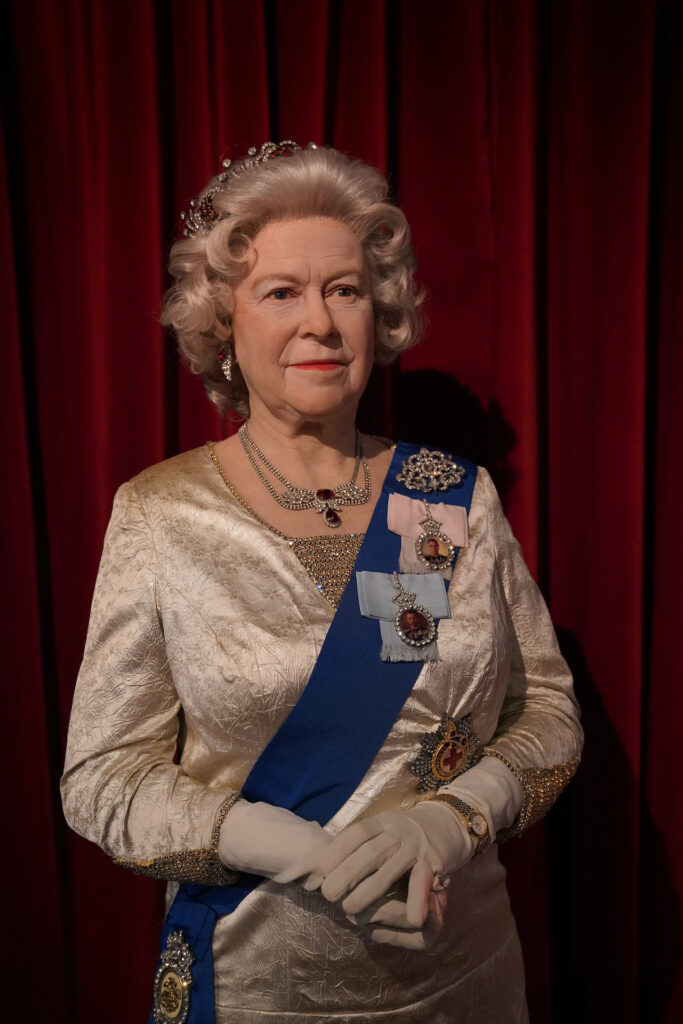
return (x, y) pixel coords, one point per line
(536, 149)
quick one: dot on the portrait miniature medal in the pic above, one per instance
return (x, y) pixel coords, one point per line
(413, 623)
(433, 548)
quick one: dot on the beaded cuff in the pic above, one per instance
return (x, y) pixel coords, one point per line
(540, 789)
(194, 867)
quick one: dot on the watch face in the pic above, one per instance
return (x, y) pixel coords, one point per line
(478, 825)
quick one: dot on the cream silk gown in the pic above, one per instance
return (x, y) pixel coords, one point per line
(205, 627)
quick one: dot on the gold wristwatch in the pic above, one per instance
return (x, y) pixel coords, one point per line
(475, 822)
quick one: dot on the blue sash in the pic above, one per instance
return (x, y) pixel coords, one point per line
(325, 746)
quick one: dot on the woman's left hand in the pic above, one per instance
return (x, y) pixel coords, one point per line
(263, 839)
(365, 859)
(386, 920)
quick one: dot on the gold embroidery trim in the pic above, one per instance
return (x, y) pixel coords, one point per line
(194, 867)
(540, 789)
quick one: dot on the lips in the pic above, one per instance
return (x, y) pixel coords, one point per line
(317, 364)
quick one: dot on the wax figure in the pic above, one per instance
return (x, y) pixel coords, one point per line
(314, 723)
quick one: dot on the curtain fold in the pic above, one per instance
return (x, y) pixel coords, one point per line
(536, 150)
(661, 834)
(598, 210)
(32, 739)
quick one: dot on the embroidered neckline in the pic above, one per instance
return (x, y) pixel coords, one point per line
(327, 558)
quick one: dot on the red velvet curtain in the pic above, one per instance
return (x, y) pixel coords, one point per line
(536, 149)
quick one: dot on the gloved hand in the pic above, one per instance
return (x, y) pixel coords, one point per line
(386, 920)
(266, 840)
(365, 859)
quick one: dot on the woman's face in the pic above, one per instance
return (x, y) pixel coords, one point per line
(302, 323)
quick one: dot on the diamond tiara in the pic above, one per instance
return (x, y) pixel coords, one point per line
(202, 215)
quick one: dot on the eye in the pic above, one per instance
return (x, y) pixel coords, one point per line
(280, 294)
(344, 291)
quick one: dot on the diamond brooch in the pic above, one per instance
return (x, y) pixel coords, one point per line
(430, 471)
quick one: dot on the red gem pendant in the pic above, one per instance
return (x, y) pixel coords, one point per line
(331, 517)
(324, 494)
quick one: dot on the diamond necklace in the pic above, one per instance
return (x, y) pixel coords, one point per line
(325, 501)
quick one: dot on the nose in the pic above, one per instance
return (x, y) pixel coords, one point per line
(317, 320)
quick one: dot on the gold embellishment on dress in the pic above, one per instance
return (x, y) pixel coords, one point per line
(172, 981)
(540, 789)
(189, 867)
(329, 561)
(193, 867)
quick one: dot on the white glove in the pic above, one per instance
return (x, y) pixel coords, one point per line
(386, 921)
(266, 840)
(362, 863)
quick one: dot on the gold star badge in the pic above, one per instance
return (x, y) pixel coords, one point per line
(445, 753)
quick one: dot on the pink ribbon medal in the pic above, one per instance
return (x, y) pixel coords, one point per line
(429, 534)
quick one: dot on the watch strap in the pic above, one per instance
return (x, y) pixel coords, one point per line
(466, 812)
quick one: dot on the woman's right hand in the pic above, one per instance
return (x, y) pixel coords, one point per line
(262, 839)
(386, 920)
(369, 857)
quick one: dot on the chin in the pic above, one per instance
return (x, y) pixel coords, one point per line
(323, 401)
(323, 411)
(324, 406)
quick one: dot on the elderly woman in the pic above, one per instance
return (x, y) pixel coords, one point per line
(284, 705)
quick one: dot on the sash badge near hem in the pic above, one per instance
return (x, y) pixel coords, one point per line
(172, 982)
(445, 753)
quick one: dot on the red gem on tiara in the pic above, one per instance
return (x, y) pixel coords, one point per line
(206, 209)
(284, 149)
(202, 214)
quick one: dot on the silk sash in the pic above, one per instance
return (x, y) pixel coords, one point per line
(325, 746)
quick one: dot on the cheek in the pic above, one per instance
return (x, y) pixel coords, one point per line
(370, 342)
(362, 333)
(370, 328)
(252, 332)
(261, 353)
